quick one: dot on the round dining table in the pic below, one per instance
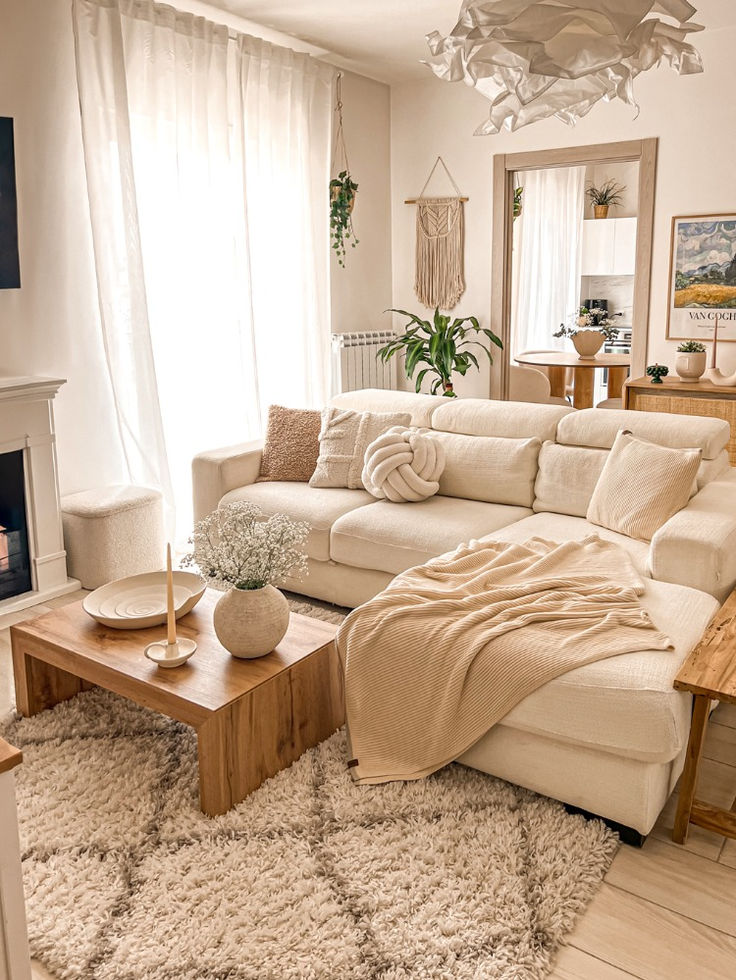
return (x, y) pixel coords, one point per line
(557, 362)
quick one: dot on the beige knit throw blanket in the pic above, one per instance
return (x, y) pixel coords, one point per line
(450, 647)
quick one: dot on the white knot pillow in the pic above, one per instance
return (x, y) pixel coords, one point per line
(403, 465)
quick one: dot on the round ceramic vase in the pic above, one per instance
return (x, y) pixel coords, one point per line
(588, 343)
(690, 366)
(251, 622)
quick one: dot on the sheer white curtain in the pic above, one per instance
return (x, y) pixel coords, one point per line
(546, 261)
(207, 157)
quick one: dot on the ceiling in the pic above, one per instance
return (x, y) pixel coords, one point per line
(384, 39)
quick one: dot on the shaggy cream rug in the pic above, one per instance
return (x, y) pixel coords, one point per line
(457, 876)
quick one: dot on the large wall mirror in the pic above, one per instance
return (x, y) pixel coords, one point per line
(553, 259)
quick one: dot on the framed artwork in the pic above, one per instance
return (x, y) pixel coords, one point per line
(702, 277)
(9, 261)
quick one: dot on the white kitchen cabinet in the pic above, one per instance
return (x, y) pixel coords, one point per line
(609, 247)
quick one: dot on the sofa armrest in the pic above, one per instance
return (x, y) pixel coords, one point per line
(697, 547)
(216, 471)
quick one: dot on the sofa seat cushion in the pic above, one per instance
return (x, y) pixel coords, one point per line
(626, 705)
(393, 537)
(318, 506)
(560, 527)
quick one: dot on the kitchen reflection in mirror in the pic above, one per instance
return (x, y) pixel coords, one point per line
(572, 281)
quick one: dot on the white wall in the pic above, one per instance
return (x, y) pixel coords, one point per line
(51, 325)
(692, 116)
(362, 290)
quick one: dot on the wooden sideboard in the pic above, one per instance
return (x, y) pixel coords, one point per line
(683, 398)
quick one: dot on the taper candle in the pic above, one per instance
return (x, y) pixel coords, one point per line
(170, 617)
(715, 344)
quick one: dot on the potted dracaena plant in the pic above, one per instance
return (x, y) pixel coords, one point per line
(442, 344)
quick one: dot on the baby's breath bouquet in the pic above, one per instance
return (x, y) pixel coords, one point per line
(236, 545)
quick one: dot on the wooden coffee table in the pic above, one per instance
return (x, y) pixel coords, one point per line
(252, 717)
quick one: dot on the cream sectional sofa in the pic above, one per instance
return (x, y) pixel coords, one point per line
(609, 737)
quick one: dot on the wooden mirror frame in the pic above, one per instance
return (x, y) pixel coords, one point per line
(505, 165)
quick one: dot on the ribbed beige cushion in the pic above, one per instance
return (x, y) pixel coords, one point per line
(420, 407)
(510, 420)
(393, 537)
(499, 471)
(598, 427)
(319, 508)
(642, 485)
(343, 439)
(567, 477)
(291, 447)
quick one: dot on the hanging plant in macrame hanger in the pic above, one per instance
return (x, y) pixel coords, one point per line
(342, 188)
(439, 279)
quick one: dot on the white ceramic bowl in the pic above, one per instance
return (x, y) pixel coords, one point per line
(139, 601)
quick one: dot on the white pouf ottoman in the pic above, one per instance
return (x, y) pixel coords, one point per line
(111, 532)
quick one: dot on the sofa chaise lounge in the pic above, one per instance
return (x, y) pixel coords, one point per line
(608, 737)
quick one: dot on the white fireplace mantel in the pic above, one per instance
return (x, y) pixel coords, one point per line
(27, 424)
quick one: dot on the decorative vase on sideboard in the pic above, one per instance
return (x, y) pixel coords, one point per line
(588, 342)
(690, 366)
(251, 622)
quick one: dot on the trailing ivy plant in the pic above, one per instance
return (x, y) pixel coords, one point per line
(342, 200)
(442, 344)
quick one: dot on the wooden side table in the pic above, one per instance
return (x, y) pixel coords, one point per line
(709, 674)
(684, 398)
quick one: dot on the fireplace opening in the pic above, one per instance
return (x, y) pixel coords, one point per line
(15, 563)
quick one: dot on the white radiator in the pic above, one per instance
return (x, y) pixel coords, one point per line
(355, 361)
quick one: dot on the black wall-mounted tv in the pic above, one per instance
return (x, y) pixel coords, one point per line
(9, 260)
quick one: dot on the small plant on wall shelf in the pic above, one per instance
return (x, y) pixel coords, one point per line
(608, 195)
(442, 344)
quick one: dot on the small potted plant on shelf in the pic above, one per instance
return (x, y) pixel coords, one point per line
(443, 345)
(608, 195)
(342, 201)
(591, 328)
(690, 361)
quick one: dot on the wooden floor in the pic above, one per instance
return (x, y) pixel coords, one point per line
(663, 913)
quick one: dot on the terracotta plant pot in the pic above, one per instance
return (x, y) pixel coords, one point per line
(251, 622)
(588, 342)
(690, 366)
(600, 210)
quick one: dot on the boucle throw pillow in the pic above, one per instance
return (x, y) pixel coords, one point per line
(403, 465)
(343, 440)
(641, 486)
(291, 447)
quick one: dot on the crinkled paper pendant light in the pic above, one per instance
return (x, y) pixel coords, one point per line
(535, 59)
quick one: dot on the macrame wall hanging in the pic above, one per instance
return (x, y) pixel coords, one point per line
(439, 278)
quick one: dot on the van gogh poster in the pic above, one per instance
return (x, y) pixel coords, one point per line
(703, 277)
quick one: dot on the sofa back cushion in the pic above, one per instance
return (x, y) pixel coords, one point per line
(498, 471)
(509, 420)
(418, 407)
(567, 477)
(598, 429)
